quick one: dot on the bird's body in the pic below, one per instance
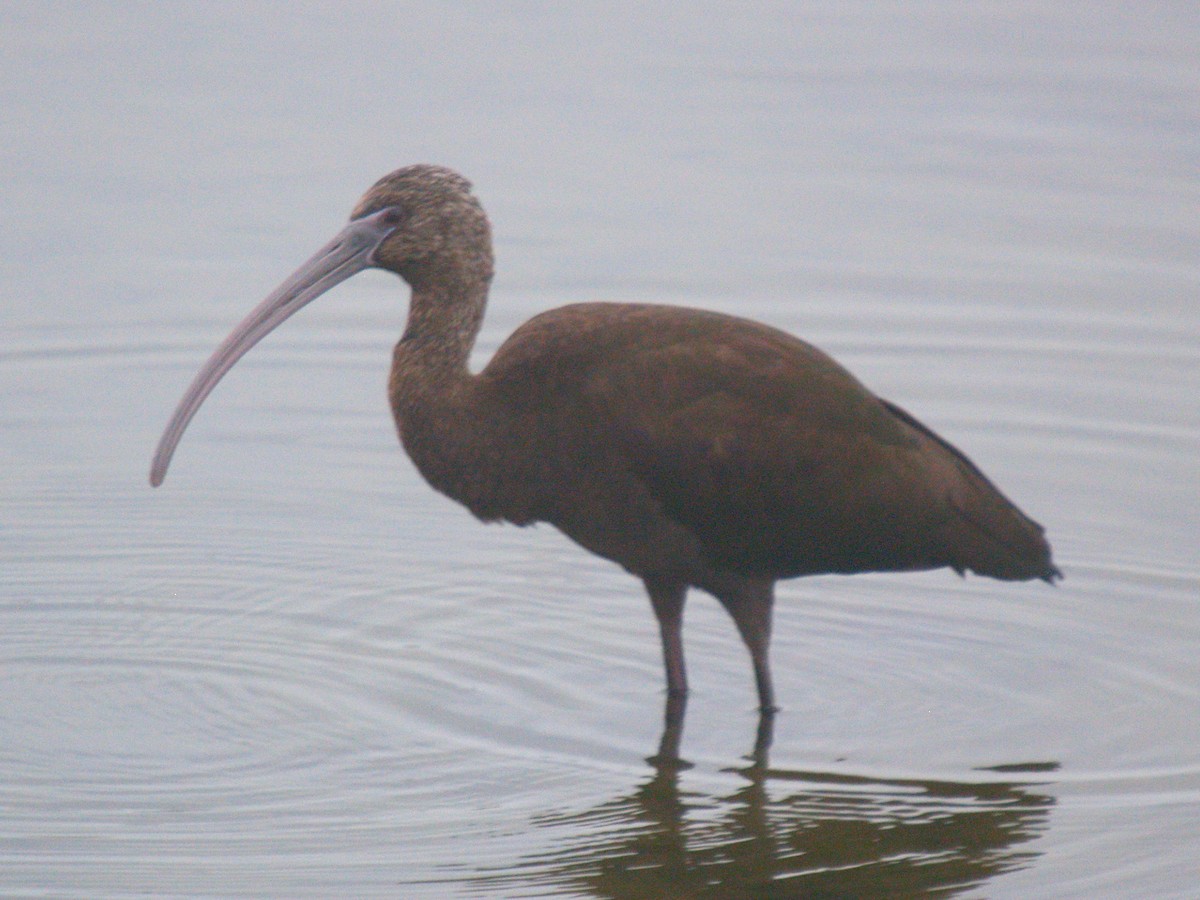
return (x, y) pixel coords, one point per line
(694, 449)
(684, 443)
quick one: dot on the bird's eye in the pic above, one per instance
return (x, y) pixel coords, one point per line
(392, 216)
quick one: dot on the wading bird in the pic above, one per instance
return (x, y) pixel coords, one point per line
(692, 448)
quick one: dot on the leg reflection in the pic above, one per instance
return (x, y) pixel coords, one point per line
(762, 739)
(780, 832)
(667, 758)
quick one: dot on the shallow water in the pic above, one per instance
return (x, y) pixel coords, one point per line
(295, 670)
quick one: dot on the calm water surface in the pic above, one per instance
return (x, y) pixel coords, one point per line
(296, 671)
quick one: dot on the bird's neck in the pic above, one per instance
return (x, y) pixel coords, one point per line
(430, 382)
(445, 423)
(444, 319)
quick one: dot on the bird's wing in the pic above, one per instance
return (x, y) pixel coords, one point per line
(770, 452)
(776, 457)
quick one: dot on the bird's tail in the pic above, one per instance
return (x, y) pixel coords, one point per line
(986, 533)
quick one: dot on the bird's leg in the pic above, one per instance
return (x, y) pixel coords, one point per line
(667, 598)
(751, 607)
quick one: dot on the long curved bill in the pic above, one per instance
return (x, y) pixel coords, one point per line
(347, 254)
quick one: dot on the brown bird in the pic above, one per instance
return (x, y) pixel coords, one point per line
(692, 448)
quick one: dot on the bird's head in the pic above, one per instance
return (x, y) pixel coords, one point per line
(435, 228)
(421, 222)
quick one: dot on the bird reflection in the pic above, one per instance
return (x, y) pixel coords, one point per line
(783, 833)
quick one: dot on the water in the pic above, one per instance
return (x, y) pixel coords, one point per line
(295, 671)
